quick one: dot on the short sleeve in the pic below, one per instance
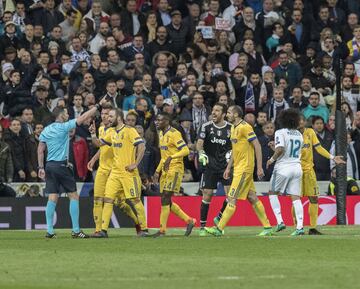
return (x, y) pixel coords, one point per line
(134, 137)
(69, 125)
(314, 139)
(179, 141)
(250, 134)
(279, 139)
(43, 137)
(106, 139)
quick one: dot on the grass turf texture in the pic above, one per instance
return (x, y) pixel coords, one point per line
(237, 260)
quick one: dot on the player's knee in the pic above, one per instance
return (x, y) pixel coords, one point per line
(73, 196)
(231, 201)
(252, 198)
(166, 199)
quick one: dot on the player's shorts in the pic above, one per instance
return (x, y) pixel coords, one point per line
(59, 177)
(170, 181)
(241, 185)
(210, 179)
(309, 184)
(129, 184)
(100, 182)
(287, 180)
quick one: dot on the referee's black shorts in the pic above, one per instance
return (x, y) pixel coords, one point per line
(211, 178)
(59, 177)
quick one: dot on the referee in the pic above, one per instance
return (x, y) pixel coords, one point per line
(59, 173)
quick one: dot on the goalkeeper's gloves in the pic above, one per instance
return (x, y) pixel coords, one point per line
(203, 158)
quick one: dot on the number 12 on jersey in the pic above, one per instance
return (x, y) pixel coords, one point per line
(295, 148)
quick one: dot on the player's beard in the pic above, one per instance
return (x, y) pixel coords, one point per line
(114, 123)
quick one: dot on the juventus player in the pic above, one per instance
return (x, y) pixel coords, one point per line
(214, 147)
(287, 174)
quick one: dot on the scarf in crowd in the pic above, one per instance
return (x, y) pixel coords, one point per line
(249, 98)
(276, 108)
(251, 24)
(199, 116)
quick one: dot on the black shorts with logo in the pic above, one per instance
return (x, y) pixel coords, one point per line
(59, 177)
(210, 179)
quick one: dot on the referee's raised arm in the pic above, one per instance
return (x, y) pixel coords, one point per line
(82, 118)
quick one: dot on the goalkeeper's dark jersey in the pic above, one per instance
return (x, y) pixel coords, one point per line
(217, 145)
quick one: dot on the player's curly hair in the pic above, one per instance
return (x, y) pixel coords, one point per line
(289, 118)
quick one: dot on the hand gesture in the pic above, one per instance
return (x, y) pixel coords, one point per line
(92, 128)
(21, 174)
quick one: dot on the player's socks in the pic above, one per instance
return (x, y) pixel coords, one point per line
(106, 215)
(74, 214)
(97, 212)
(204, 209)
(222, 209)
(164, 215)
(293, 215)
(260, 212)
(175, 208)
(226, 216)
(50, 210)
(140, 210)
(299, 213)
(313, 213)
(276, 207)
(128, 212)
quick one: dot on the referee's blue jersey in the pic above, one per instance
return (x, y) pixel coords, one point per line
(56, 137)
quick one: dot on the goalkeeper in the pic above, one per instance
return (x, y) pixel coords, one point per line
(214, 148)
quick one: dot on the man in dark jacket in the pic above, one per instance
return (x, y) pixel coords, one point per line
(179, 33)
(322, 165)
(17, 93)
(161, 43)
(17, 144)
(49, 17)
(6, 163)
(131, 20)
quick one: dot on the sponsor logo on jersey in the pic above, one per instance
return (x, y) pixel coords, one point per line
(218, 141)
(118, 145)
(164, 148)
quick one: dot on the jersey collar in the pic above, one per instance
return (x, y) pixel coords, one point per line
(120, 129)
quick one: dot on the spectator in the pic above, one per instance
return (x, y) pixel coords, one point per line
(77, 109)
(17, 144)
(132, 21)
(178, 32)
(78, 156)
(297, 99)
(68, 25)
(6, 162)
(261, 120)
(290, 71)
(315, 109)
(129, 102)
(276, 105)
(96, 15)
(352, 168)
(98, 41)
(49, 17)
(267, 147)
(321, 164)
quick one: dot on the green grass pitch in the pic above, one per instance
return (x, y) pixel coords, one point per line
(237, 260)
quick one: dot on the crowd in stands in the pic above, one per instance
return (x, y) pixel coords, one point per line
(178, 56)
